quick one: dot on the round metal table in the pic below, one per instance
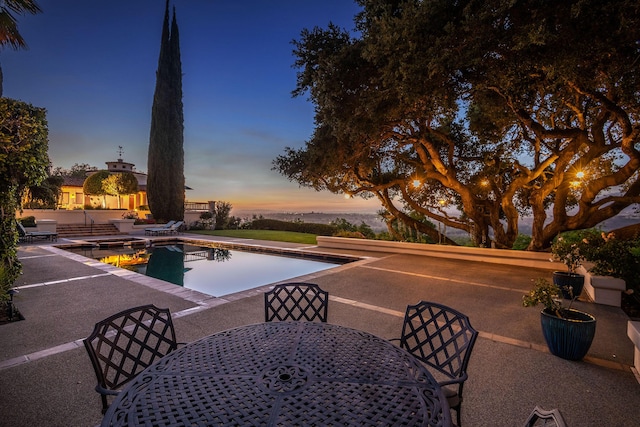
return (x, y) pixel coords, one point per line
(283, 374)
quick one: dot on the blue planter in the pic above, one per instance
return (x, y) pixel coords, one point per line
(570, 337)
(564, 280)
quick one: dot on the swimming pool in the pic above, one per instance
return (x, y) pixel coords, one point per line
(212, 269)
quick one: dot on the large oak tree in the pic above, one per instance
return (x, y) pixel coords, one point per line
(499, 108)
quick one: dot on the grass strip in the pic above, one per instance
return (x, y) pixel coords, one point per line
(273, 235)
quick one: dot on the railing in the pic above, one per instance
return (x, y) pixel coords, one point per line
(196, 256)
(91, 219)
(196, 206)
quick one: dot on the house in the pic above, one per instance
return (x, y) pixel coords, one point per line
(73, 196)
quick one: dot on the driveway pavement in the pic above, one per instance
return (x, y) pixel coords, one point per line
(46, 377)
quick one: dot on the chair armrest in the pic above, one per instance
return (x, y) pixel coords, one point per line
(106, 391)
(459, 380)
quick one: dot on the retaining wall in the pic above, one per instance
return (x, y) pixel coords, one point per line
(99, 216)
(497, 256)
(600, 289)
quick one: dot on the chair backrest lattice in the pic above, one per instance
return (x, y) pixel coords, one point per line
(439, 336)
(21, 230)
(176, 226)
(545, 418)
(296, 301)
(123, 345)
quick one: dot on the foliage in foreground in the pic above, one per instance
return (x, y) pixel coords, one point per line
(23, 163)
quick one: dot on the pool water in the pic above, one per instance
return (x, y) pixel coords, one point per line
(214, 271)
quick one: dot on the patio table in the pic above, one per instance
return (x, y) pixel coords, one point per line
(283, 374)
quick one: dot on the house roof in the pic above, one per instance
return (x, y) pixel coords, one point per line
(73, 181)
(78, 181)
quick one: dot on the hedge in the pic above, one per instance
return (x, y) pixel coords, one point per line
(299, 227)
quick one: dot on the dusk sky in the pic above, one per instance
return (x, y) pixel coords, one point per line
(92, 65)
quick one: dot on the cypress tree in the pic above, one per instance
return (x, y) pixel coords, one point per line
(165, 163)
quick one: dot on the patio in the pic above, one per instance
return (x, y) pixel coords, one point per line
(47, 379)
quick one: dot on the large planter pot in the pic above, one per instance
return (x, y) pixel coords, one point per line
(569, 337)
(565, 279)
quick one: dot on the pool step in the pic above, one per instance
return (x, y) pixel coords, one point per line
(79, 230)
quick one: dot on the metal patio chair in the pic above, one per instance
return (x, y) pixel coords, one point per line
(442, 338)
(123, 345)
(25, 236)
(543, 418)
(159, 229)
(296, 301)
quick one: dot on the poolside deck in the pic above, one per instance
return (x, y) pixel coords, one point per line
(47, 379)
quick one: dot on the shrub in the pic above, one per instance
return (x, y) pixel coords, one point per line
(235, 222)
(350, 234)
(570, 249)
(614, 257)
(522, 242)
(345, 227)
(140, 221)
(610, 256)
(206, 215)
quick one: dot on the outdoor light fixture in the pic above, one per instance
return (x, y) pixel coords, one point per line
(580, 175)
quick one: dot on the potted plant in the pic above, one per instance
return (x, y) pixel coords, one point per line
(566, 248)
(568, 332)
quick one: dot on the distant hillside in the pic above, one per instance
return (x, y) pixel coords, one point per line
(377, 225)
(372, 220)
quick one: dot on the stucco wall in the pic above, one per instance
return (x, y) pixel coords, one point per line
(99, 216)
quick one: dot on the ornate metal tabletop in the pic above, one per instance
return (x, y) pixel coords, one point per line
(283, 374)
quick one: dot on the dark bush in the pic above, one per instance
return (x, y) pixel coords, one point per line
(299, 227)
(28, 221)
(140, 221)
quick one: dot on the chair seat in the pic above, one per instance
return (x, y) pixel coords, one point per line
(453, 398)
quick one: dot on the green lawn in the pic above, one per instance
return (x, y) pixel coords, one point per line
(278, 236)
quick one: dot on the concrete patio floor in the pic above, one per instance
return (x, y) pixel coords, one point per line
(46, 377)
